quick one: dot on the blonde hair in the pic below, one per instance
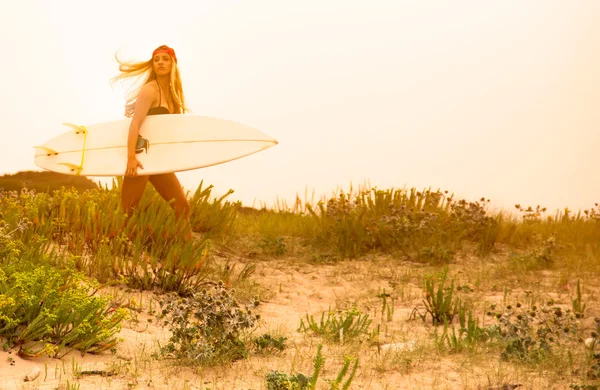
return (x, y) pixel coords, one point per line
(130, 69)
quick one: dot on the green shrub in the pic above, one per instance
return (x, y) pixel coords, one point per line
(207, 327)
(44, 309)
(532, 334)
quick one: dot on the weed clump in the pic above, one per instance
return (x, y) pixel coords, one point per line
(441, 303)
(266, 342)
(541, 256)
(207, 327)
(592, 357)
(468, 336)
(273, 246)
(532, 334)
(277, 380)
(338, 326)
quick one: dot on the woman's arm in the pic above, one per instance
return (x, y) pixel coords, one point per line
(142, 105)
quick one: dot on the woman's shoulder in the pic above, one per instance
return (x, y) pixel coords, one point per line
(149, 90)
(149, 87)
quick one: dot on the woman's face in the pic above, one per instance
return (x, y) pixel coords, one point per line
(162, 64)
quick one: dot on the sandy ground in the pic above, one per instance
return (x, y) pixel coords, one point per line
(289, 291)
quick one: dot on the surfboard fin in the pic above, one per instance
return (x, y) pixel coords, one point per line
(77, 129)
(71, 166)
(49, 151)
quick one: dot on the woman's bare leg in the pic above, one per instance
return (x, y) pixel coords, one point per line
(132, 191)
(168, 186)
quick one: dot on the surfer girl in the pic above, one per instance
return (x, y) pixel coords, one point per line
(161, 93)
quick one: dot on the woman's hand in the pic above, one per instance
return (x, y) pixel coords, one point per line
(132, 165)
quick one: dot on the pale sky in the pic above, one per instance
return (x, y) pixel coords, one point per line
(482, 98)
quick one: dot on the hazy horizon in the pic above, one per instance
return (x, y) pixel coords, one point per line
(483, 99)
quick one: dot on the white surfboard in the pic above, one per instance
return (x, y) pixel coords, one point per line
(168, 143)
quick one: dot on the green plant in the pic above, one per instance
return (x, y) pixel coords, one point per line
(46, 310)
(584, 387)
(593, 357)
(145, 249)
(489, 234)
(577, 302)
(467, 337)
(530, 214)
(337, 382)
(171, 266)
(542, 256)
(436, 254)
(277, 380)
(207, 326)
(215, 217)
(387, 309)
(441, 304)
(273, 246)
(530, 334)
(318, 364)
(423, 225)
(338, 326)
(266, 342)
(73, 386)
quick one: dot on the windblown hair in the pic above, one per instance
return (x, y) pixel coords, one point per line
(145, 70)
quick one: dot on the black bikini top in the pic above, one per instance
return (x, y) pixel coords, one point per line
(159, 110)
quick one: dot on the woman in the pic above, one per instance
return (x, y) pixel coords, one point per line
(161, 93)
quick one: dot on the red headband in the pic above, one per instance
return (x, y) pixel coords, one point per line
(165, 49)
